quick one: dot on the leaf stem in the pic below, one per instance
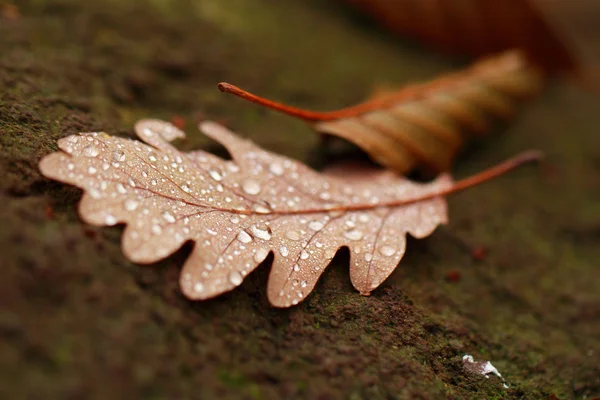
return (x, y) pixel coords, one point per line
(492, 172)
(315, 116)
(458, 186)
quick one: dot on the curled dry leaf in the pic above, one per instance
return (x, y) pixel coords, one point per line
(559, 35)
(239, 211)
(426, 124)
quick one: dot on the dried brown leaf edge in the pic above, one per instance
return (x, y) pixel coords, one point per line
(239, 211)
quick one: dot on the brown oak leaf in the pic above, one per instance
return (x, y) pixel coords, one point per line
(239, 211)
(425, 124)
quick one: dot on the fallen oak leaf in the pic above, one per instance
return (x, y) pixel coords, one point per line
(238, 211)
(425, 124)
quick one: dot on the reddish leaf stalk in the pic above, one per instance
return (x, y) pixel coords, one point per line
(458, 186)
(314, 116)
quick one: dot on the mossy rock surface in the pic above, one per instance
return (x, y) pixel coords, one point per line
(78, 320)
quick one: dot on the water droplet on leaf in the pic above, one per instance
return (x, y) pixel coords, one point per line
(315, 225)
(130, 204)
(118, 156)
(244, 237)
(235, 278)
(91, 151)
(276, 169)
(216, 175)
(284, 251)
(251, 187)
(260, 255)
(353, 234)
(263, 233)
(168, 217)
(387, 251)
(292, 235)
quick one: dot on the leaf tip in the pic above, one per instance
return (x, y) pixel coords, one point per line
(49, 165)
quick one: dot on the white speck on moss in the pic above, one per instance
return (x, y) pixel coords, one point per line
(484, 368)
